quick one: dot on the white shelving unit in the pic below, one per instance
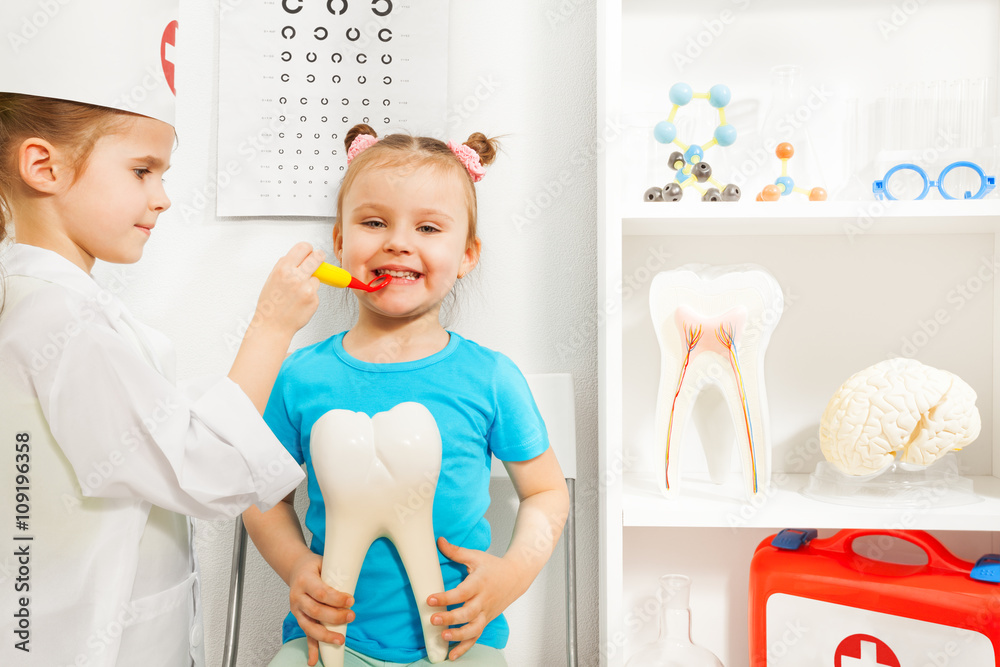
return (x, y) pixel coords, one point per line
(864, 281)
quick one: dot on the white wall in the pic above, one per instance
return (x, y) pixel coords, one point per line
(522, 69)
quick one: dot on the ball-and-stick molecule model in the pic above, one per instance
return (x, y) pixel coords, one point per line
(690, 167)
(784, 185)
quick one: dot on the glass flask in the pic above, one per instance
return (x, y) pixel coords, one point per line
(674, 647)
(789, 119)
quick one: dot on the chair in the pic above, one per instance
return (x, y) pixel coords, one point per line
(553, 394)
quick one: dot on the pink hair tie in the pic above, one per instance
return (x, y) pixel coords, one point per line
(469, 159)
(360, 143)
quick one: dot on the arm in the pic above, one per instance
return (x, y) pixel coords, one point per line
(208, 456)
(286, 303)
(278, 536)
(494, 583)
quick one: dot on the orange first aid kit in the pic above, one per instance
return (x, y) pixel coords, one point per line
(819, 603)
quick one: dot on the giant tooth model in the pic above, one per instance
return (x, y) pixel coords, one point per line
(378, 476)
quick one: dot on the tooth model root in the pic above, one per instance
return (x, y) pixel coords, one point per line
(710, 364)
(378, 477)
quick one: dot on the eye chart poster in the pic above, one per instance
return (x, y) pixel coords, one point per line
(296, 75)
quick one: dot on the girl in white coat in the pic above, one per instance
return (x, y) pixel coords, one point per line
(104, 457)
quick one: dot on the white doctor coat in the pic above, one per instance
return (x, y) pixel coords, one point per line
(103, 456)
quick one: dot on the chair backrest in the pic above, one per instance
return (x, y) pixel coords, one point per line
(553, 394)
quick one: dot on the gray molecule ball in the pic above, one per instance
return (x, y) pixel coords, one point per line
(672, 192)
(653, 194)
(676, 161)
(702, 171)
(731, 193)
(712, 194)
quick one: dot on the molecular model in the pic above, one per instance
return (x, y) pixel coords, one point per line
(784, 185)
(691, 169)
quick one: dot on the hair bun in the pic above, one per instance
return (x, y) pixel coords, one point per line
(486, 147)
(355, 132)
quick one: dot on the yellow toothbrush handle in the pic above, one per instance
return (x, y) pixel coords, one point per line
(333, 275)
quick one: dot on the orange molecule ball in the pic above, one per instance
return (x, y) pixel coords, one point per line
(784, 150)
(817, 194)
(770, 193)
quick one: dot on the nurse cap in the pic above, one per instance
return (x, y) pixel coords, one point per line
(111, 53)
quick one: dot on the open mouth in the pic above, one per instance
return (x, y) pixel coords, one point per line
(397, 274)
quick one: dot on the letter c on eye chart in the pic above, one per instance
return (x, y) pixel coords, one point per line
(273, 55)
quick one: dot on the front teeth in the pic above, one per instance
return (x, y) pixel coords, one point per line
(378, 476)
(410, 275)
(713, 325)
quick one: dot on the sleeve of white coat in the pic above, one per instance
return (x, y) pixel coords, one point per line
(129, 432)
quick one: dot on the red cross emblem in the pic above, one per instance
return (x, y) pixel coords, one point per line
(167, 44)
(864, 651)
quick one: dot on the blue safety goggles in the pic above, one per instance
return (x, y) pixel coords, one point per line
(884, 188)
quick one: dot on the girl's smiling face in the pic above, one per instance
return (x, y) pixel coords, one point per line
(411, 222)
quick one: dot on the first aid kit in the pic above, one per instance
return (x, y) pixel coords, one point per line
(821, 603)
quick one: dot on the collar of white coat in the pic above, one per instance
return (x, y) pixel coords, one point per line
(34, 262)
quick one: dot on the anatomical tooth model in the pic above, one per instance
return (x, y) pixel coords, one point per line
(368, 468)
(713, 325)
(898, 407)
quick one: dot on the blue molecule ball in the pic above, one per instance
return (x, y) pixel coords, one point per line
(665, 132)
(787, 182)
(725, 135)
(680, 93)
(719, 95)
(693, 154)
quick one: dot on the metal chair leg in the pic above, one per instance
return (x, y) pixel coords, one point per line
(569, 536)
(235, 607)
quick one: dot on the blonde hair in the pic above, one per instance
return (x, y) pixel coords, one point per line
(72, 126)
(403, 149)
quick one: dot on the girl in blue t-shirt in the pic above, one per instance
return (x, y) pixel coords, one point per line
(407, 208)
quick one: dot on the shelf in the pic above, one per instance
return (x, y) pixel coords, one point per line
(854, 219)
(703, 504)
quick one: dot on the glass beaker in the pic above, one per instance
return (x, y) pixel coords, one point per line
(674, 647)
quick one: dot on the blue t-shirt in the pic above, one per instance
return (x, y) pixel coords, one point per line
(482, 406)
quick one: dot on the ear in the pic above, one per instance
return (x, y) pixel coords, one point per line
(338, 240)
(471, 257)
(39, 165)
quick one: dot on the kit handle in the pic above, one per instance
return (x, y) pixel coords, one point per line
(938, 556)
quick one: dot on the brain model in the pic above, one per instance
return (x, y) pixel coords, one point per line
(898, 406)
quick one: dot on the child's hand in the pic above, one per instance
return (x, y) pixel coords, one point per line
(314, 603)
(289, 296)
(492, 585)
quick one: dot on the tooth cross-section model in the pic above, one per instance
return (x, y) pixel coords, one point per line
(898, 407)
(369, 468)
(713, 325)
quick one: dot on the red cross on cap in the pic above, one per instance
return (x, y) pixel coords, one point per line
(167, 46)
